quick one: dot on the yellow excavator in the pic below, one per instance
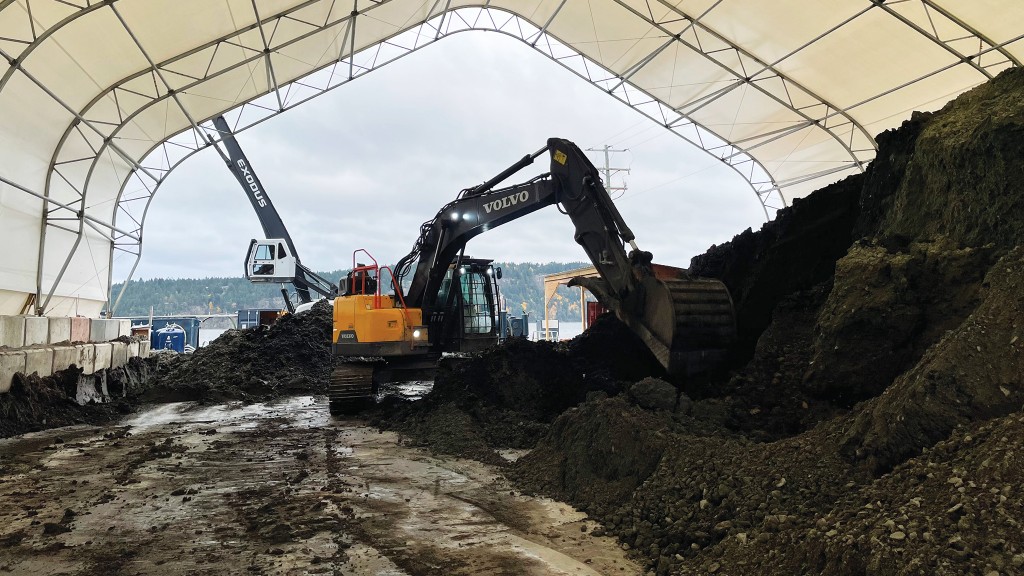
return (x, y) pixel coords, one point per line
(443, 302)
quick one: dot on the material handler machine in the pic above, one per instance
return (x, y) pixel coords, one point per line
(443, 302)
(273, 259)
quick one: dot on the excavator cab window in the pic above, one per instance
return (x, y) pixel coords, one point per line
(265, 252)
(263, 264)
(476, 302)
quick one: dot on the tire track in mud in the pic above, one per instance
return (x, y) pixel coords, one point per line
(272, 489)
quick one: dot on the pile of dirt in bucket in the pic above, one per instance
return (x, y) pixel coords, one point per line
(871, 421)
(291, 356)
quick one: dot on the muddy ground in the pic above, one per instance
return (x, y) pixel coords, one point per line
(274, 488)
(869, 421)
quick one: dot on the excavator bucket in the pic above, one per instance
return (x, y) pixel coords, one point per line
(691, 323)
(688, 323)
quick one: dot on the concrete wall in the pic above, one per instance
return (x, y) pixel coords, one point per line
(10, 362)
(86, 358)
(39, 361)
(30, 342)
(104, 352)
(79, 329)
(18, 331)
(60, 329)
(37, 330)
(103, 330)
(118, 354)
(12, 331)
(64, 357)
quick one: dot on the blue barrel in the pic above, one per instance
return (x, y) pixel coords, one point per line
(171, 337)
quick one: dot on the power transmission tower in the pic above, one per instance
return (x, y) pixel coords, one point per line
(608, 170)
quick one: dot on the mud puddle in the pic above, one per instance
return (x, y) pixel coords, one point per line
(273, 488)
(410, 391)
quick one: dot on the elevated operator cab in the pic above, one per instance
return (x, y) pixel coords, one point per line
(269, 260)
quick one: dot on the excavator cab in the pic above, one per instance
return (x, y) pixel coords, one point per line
(269, 260)
(465, 312)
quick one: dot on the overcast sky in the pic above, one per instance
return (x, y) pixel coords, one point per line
(362, 166)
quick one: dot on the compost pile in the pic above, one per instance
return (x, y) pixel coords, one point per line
(508, 395)
(289, 357)
(871, 421)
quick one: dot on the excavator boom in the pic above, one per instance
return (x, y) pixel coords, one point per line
(688, 323)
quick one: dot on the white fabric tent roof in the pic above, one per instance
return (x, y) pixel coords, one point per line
(99, 100)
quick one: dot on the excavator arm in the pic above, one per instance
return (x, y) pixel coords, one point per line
(686, 322)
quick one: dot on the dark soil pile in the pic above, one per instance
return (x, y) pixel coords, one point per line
(291, 356)
(507, 396)
(872, 422)
(35, 403)
(796, 251)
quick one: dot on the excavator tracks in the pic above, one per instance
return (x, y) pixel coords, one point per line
(352, 387)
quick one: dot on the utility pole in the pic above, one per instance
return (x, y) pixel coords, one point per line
(608, 170)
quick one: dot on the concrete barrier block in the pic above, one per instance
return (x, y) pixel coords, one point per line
(37, 330)
(59, 329)
(86, 357)
(133, 348)
(79, 329)
(12, 331)
(10, 362)
(39, 361)
(124, 327)
(104, 354)
(118, 354)
(144, 348)
(103, 330)
(64, 357)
